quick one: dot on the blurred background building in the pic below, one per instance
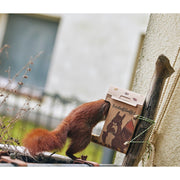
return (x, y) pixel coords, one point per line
(76, 57)
(82, 54)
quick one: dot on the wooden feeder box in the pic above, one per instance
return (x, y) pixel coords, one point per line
(121, 122)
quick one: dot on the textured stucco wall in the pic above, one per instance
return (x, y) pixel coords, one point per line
(166, 140)
(163, 37)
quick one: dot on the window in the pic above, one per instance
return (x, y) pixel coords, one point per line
(27, 35)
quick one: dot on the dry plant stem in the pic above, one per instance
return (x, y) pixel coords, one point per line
(4, 129)
(26, 68)
(163, 70)
(11, 123)
(4, 48)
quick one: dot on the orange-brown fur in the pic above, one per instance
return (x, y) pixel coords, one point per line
(77, 125)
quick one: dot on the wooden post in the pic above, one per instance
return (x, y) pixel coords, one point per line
(162, 71)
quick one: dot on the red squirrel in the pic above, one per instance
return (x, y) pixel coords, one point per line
(77, 125)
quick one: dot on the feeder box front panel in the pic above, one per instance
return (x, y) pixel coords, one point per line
(120, 122)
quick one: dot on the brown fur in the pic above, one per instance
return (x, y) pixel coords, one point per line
(77, 125)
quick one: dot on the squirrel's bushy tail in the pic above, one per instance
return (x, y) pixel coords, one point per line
(39, 140)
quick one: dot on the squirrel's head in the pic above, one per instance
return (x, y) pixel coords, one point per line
(105, 108)
(102, 109)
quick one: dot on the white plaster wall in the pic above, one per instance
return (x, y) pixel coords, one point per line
(163, 37)
(93, 51)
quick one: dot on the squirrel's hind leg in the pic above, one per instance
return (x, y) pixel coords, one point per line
(77, 146)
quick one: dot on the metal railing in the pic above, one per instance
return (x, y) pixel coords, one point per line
(46, 110)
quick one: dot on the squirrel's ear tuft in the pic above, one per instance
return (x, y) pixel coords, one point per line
(105, 108)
